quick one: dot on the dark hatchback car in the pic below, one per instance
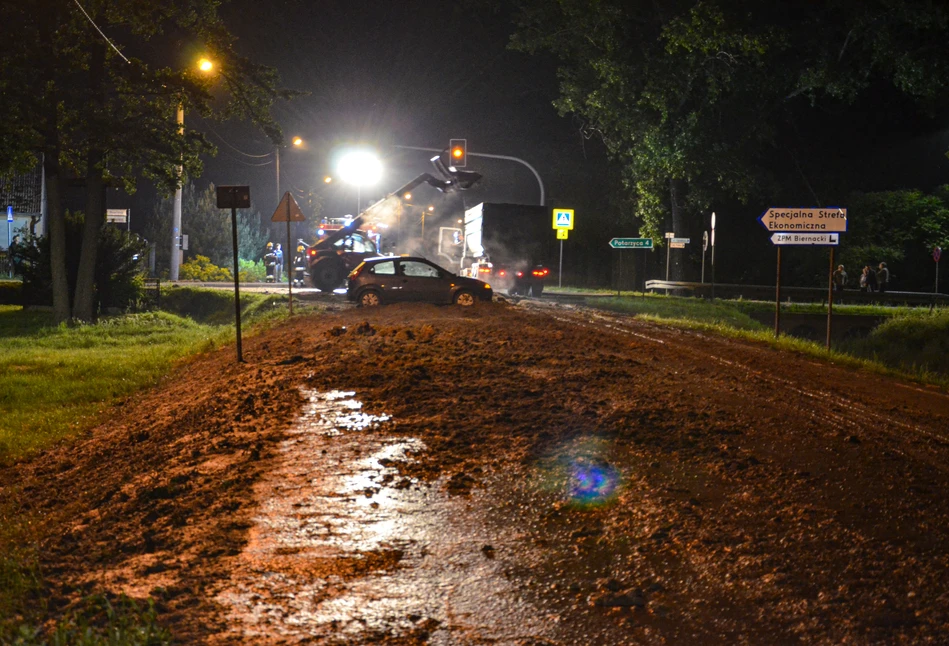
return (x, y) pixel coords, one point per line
(391, 279)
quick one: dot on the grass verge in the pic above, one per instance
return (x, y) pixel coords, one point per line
(913, 344)
(55, 381)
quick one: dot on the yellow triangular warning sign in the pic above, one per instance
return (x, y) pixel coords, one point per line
(288, 210)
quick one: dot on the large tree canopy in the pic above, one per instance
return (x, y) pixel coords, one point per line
(73, 92)
(690, 96)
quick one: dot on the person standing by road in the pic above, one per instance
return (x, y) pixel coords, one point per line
(871, 279)
(883, 278)
(840, 280)
(278, 267)
(270, 261)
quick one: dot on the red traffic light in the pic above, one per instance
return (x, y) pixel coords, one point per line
(458, 153)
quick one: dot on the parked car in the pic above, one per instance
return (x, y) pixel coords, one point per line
(390, 279)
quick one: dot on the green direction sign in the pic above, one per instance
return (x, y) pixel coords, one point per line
(631, 243)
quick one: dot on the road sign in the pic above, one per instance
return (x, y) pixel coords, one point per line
(562, 234)
(116, 215)
(937, 252)
(670, 234)
(676, 245)
(631, 243)
(233, 197)
(829, 239)
(9, 214)
(288, 210)
(821, 220)
(705, 241)
(563, 219)
(680, 241)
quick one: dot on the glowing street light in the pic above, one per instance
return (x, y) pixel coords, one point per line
(360, 168)
(297, 141)
(205, 65)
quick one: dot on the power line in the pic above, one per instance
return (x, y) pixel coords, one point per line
(229, 145)
(101, 33)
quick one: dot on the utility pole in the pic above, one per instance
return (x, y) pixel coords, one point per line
(176, 210)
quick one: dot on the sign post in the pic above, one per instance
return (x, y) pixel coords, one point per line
(937, 253)
(289, 211)
(563, 222)
(9, 226)
(805, 226)
(633, 243)
(233, 198)
(713, 256)
(704, 249)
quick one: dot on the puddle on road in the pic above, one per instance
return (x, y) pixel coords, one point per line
(344, 548)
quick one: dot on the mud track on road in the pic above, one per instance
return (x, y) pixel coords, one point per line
(508, 474)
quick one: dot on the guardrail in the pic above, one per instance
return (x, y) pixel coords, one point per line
(798, 294)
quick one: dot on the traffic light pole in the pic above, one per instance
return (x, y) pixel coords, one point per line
(533, 170)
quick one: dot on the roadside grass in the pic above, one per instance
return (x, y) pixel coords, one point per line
(913, 344)
(694, 310)
(916, 343)
(55, 382)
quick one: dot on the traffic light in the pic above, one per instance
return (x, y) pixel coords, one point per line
(458, 153)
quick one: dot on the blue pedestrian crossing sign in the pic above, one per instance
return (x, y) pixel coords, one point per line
(563, 219)
(9, 214)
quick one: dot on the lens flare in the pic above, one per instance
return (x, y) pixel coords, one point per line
(593, 484)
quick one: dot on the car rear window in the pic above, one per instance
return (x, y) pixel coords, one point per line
(386, 268)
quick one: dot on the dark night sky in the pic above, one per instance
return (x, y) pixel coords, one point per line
(385, 73)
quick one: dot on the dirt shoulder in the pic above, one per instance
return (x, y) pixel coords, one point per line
(739, 493)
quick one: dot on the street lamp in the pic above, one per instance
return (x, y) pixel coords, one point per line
(205, 65)
(360, 168)
(297, 142)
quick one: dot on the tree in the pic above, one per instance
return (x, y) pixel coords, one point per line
(208, 228)
(109, 118)
(699, 99)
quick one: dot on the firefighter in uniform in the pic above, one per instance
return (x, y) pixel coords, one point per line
(299, 266)
(270, 262)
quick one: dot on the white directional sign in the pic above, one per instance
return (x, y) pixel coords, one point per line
(670, 234)
(680, 241)
(116, 215)
(563, 219)
(821, 220)
(829, 239)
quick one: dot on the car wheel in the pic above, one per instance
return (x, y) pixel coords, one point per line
(328, 274)
(464, 298)
(369, 298)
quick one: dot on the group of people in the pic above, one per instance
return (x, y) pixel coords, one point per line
(273, 262)
(871, 280)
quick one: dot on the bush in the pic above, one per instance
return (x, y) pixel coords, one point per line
(119, 278)
(11, 292)
(200, 268)
(252, 272)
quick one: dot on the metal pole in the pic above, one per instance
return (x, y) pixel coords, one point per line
(560, 273)
(176, 210)
(830, 296)
(777, 298)
(276, 153)
(237, 285)
(289, 257)
(703, 264)
(540, 182)
(937, 276)
(644, 275)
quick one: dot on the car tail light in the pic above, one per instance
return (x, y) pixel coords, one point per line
(520, 274)
(312, 252)
(484, 270)
(355, 272)
(502, 273)
(540, 273)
